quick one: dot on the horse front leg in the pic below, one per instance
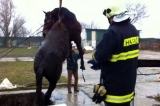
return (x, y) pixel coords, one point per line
(79, 46)
(48, 94)
(38, 97)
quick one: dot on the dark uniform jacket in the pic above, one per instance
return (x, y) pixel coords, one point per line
(117, 54)
(73, 65)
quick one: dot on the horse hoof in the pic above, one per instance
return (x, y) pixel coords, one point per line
(38, 104)
(35, 104)
(50, 102)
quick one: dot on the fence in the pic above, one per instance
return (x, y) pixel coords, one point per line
(145, 43)
(149, 44)
(31, 42)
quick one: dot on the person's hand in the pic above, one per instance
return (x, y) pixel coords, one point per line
(100, 94)
(95, 64)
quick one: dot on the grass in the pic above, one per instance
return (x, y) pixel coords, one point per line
(19, 52)
(24, 52)
(22, 73)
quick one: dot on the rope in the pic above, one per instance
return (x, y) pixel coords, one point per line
(83, 76)
(60, 5)
(12, 48)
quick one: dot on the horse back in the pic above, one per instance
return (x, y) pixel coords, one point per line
(68, 18)
(56, 43)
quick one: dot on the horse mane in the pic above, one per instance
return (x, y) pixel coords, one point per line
(67, 17)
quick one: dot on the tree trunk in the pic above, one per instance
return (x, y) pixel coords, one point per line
(8, 43)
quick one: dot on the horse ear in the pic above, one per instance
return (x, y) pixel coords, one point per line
(44, 12)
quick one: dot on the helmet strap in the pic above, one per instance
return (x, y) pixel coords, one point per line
(110, 20)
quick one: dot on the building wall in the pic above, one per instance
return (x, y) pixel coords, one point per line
(145, 43)
(94, 36)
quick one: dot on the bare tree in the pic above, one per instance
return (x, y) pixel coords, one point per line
(18, 29)
(139, 8)
(92, 25)
(22, 32)
(6, 13)
(10, 24)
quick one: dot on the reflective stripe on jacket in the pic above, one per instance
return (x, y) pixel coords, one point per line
(124, 55)
(119, 99)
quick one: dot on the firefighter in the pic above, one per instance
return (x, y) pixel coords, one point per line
(117, 57)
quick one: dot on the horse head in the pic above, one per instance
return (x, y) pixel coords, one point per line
(47, 23)
(51, 18)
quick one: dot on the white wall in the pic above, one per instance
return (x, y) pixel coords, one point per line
(84, 34)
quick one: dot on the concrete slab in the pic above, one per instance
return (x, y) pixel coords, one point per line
(8, 59)
(25, 59)
(59, 105)
(56, 96)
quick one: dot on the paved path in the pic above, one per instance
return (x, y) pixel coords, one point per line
(16, 59)
(145, 86)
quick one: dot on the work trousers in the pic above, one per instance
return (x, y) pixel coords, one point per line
(110, 104)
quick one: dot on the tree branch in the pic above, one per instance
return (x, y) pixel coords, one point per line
(139, 8)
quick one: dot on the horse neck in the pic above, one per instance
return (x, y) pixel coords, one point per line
(56, 31)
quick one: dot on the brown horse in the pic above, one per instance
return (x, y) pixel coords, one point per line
(49, 59)
(71, 23)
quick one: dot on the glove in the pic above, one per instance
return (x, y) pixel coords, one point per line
(100, 95)
(95, 64)
(95, 88)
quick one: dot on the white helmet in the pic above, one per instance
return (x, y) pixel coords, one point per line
(117, 11)
(73, 44)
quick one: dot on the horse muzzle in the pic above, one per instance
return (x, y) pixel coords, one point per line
(45, 33)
